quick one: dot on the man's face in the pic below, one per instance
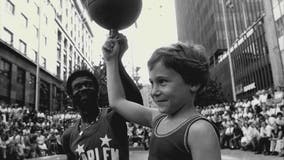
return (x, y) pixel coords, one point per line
(84, 95)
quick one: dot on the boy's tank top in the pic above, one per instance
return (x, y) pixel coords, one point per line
(173, 145)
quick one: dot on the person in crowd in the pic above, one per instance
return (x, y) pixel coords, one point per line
(41, 143)
(263, 145)
(228, 135)
(97, 134)
(279, 146)
(246, 140)
(276, 136)
(177, 73)
(237, 135)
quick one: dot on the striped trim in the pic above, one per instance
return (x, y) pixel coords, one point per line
(174, 130)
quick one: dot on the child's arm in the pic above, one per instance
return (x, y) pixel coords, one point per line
(131, 111)
(203, 141)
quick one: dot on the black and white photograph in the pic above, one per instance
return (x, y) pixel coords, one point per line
(141, 79)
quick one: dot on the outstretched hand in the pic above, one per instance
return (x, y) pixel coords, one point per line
(114, 47)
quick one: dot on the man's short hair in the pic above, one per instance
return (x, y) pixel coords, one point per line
(81, 73)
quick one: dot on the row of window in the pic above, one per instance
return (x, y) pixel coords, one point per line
(10, 6)
(8, 37)
(78, 29)
(20, 86)
(24, 19)
(68, 49)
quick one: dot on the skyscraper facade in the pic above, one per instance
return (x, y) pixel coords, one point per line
(277, 7)
(204, 22)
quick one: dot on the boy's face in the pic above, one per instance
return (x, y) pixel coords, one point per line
(169, 91)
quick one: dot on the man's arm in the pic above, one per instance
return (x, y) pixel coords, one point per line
(65, 141)
(132, 92)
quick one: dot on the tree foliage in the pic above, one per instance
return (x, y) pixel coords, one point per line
(210, 94)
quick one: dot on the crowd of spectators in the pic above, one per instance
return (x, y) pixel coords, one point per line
(25, 133)
(255, 124)
(139, 136)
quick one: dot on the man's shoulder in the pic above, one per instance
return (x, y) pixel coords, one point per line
(69, 130)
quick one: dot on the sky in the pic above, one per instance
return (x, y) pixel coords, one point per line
(156, 27)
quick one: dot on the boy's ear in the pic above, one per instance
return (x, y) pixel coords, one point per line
(194, 87)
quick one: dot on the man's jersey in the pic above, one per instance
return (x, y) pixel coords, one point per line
(105, 140)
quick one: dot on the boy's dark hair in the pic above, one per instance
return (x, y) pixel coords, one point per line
(81, 73)
(186, 59)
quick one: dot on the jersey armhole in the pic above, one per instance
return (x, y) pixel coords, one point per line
(188, 127)
(186, 145)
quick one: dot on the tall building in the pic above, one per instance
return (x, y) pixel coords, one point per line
(56, 34)
(203, 22)
(274, 10)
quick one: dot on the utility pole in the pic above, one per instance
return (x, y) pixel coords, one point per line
(229, 51)
(38, 58)
(244, 13)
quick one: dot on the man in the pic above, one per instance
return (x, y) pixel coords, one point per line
(100, 136)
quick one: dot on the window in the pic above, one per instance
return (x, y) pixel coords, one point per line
(24, 20)
(59, 36)
(10, 7)
(65, 59)
(8, 36)
(35, 56)
(274, 3)
(32, 80)
(20, 76)
(280, 27)
(43, 62)
(67, 12)
(58, 69)
(46, 20)
(58, 53)
(37, 9)
(64, 74)
(70, 66)
(277, 13)
(45, 40)
(65, 43)
(70, 51)
(23, 47)
(36, 32)
(78, 60)
(5, 68)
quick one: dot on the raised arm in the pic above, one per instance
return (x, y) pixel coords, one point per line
(130, 110)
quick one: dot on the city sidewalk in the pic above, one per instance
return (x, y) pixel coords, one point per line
(246, 155)
(227, 154)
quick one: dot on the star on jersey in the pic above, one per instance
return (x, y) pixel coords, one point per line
(105, 141)
(80, 149)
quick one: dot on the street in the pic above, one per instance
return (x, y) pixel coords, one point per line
(226, 155)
